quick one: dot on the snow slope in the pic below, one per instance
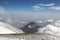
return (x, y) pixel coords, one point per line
(8, 29)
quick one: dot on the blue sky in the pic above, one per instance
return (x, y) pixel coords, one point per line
(30, 6)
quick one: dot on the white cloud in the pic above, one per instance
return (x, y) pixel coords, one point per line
(57, 23)
(40, 21)
(51, 4)
(36, 7)
(23, 22)
(50, 20)
(55, 8)
(5, 14)
(48, 6)
(9, 21)
(0, 18)
(41, 6)
(50, 29)
(3, 10)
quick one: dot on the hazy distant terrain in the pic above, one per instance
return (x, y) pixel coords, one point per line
(19, 20)
(49, 23)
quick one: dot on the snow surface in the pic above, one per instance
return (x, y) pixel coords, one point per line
(4, 30)
(8, 29)
(22, 39)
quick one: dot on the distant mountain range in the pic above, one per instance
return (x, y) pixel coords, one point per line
(31, 24)
(19, 20)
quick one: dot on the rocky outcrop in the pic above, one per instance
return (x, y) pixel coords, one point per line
(31, 27)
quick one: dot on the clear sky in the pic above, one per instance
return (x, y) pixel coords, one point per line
(31, 6)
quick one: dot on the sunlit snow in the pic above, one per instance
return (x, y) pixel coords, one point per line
(4, 30)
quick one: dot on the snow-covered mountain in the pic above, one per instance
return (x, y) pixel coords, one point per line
(8, 29)
(46, 26)
(49, 23)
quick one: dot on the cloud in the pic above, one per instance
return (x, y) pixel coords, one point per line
(40, 21)
(50, 29)
(23, 22)
(55, 8)
(36, 7)
(9, 20)
(3, 10)
(4, 15)
(57, 23)
(51, 4)
(50, 20)
(46, 6)
(42, 6)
